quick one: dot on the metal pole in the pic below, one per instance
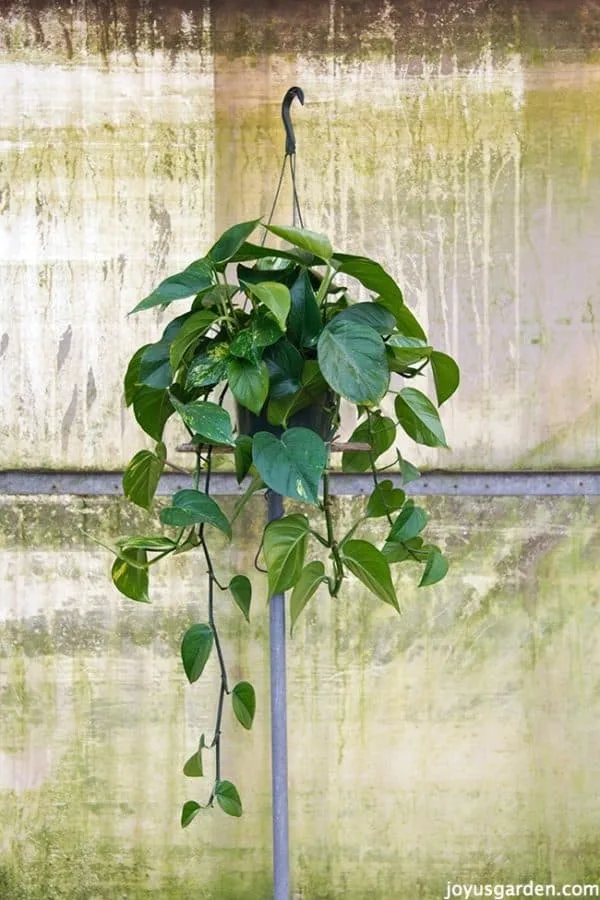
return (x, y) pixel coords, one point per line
(279, 764)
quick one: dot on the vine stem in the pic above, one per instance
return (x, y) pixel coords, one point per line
(337, 561)
(212, 580)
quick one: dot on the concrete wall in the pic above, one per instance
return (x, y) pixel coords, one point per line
(459, 142)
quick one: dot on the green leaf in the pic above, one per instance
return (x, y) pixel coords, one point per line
(311, 241)
(129, 578)
(282, 271)
(371, 275)
(310, 578)
(312, 388)
(285, 365)
(228, 798)
(371, 314)
(193, 767)
(131, 382)
(197, 277)
(142, 475)
(406, 351)
(249, 383)
(208, 368)
(195, 650)
(446, 375)
(419, 418)
(353, 361)
(275, 296)
(156, 542)
(292, 465)
(385, 499)
(284, 550)
(189, 335)
(242, 454)
(152, 408)
(248, 252)
(304, 321)
(155, 369)
(372, 568)
(230, 242)
(409, 523)
(189, 812)
(435, 568)
(380, 434)
(408, 471)
(406, 323)
(243, 699)
(207, 419)
(241, 591)
(190, 507)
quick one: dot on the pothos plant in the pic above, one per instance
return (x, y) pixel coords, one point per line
(280, 331)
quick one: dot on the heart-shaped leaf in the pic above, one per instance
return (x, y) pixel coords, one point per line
(156, 543)
(372, 314)
(304, 321)
(152, 408)
(310, 578)
(311, 241)
(275, 296)
(292, 465)
(128, 576)
(228, 798)
(435, 568)
(188, 336)
(230, 242)
(406, 351)
(190, 507)
(384, 500)
(155, 368)
(241, 591)
(249, 383)
(312, 388)
(371, 275)
(243, 699)
(142, 475)
(189, 812)
(377, 431)
(410, 522)
(209, 420)
(446, 375)
(284, 548)
(193, 767)
(406, 323)
(131, 382)
(195, 650)
(197, 277)
(242, 454)
(419, 418)
(285, 365)
(207, 368)
(353, 361)
(372, 568)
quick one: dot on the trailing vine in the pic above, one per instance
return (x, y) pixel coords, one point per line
(289, 342)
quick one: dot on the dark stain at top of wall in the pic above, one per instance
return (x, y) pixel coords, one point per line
(349, 28)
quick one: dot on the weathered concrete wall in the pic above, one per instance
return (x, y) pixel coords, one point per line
(459, 142)
(460, 741)
(447, 142)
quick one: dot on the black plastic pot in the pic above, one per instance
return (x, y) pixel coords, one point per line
(318, 417)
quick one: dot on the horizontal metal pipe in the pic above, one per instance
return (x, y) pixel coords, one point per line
(473, 484)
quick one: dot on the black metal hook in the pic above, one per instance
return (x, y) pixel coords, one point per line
(290, 137)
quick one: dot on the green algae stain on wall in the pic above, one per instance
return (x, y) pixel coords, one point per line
(460, 737)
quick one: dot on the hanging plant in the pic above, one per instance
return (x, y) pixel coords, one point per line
(288, 341)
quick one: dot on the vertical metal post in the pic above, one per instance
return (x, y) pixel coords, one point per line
(279, 760)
